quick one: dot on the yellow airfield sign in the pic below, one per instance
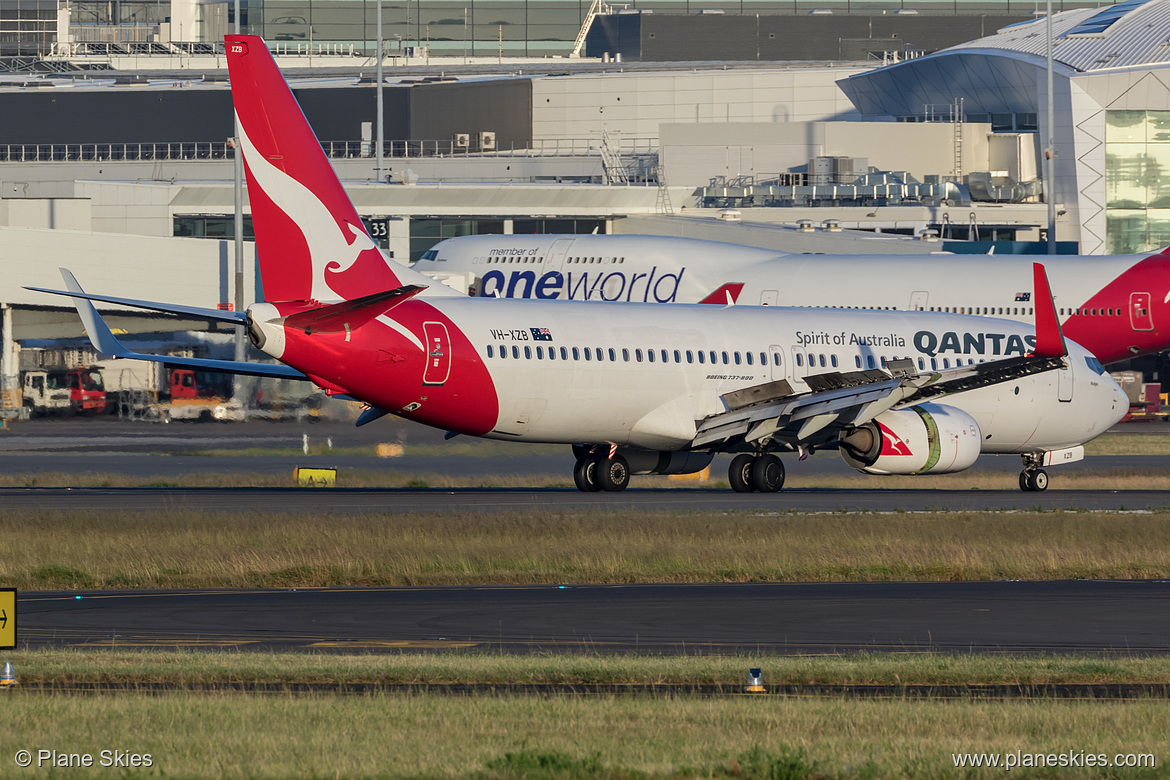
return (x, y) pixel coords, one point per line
(7, 618)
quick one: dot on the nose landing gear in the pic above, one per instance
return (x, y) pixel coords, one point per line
(1033, 479)
(749, 473)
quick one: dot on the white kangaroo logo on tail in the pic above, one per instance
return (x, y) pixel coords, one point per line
(328, 248)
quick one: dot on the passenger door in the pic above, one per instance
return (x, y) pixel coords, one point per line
(1140, 314)
(438, 349)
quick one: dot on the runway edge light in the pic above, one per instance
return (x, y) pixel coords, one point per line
(7, 676)
(755, 681)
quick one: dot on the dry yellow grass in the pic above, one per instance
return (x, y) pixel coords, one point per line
(54, 549)
(227, 736)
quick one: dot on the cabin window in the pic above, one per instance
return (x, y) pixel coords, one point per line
(702, 356)
(665, 357)
(690, 357)
(565, 354)
(650, 355)
(638, 355)
(540, 353)
(725, 360)
(588, 353)
(576, 354)
(857, 360)
(612, 355)
(822, 361)
(921, 364)
(748, 355)
(833, 360)
(714, 357)
(528, 353)
(775, 358)
(735, 355)
(516, 352)
(626, 355)
(677, 357)
(946, 362)
(799, 359)
(489, 351)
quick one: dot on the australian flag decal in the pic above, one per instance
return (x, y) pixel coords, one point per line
(1024, 296)
(541, 334)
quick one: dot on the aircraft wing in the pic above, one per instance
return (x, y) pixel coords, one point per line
(841, 399)
(849, 399)
(105, 342)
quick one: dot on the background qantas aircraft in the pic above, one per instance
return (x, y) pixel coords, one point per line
(1118, 307)
(634, 388)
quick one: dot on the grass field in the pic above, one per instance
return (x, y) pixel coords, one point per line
(420, 736)
(191, 667)
(181, 549)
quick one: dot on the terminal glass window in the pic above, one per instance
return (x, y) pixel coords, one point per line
(1137, 181)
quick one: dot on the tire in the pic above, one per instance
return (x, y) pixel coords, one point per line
(768, 473)
(585, 475)
(613, 474)
(1038, 481)
(740, 474)
(1024, 481)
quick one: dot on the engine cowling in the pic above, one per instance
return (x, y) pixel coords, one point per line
(924, 439)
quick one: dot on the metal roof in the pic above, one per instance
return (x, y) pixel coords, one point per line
(1125, 35)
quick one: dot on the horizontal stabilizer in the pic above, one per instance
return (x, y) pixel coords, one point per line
(105, 342)
(351, 315)
(235, 317)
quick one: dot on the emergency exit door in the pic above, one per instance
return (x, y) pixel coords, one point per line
(1140, 314)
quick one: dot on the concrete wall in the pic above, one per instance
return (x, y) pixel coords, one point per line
(635, 104)
(194, 272)
(49, 213)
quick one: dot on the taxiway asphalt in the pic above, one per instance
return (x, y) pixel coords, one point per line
(772, 618)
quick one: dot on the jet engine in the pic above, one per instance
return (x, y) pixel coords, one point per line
(924, 439)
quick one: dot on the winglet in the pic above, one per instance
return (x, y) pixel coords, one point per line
(1049, 339)
(99, 333)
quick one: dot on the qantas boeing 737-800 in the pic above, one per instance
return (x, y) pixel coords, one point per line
(633, 388)
(1117, 307)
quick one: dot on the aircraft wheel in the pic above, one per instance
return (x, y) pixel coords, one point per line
(768, 473)
(740, 474)
(1024, 481)
(585, 475)
(1038, 481)
(613, 474)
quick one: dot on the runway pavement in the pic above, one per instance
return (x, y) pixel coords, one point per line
(390, 500)
(755, 618)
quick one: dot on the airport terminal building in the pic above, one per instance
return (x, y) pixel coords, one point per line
(940, 152)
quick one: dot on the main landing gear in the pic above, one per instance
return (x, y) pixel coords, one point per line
(596, 471)
(1033, 479)
(749, 473)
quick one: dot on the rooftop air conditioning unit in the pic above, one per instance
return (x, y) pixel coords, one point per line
(462, 140)
(487, 141)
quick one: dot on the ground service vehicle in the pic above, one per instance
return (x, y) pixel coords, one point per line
(64, 391)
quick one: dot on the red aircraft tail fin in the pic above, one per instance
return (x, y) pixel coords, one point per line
(310, 240)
